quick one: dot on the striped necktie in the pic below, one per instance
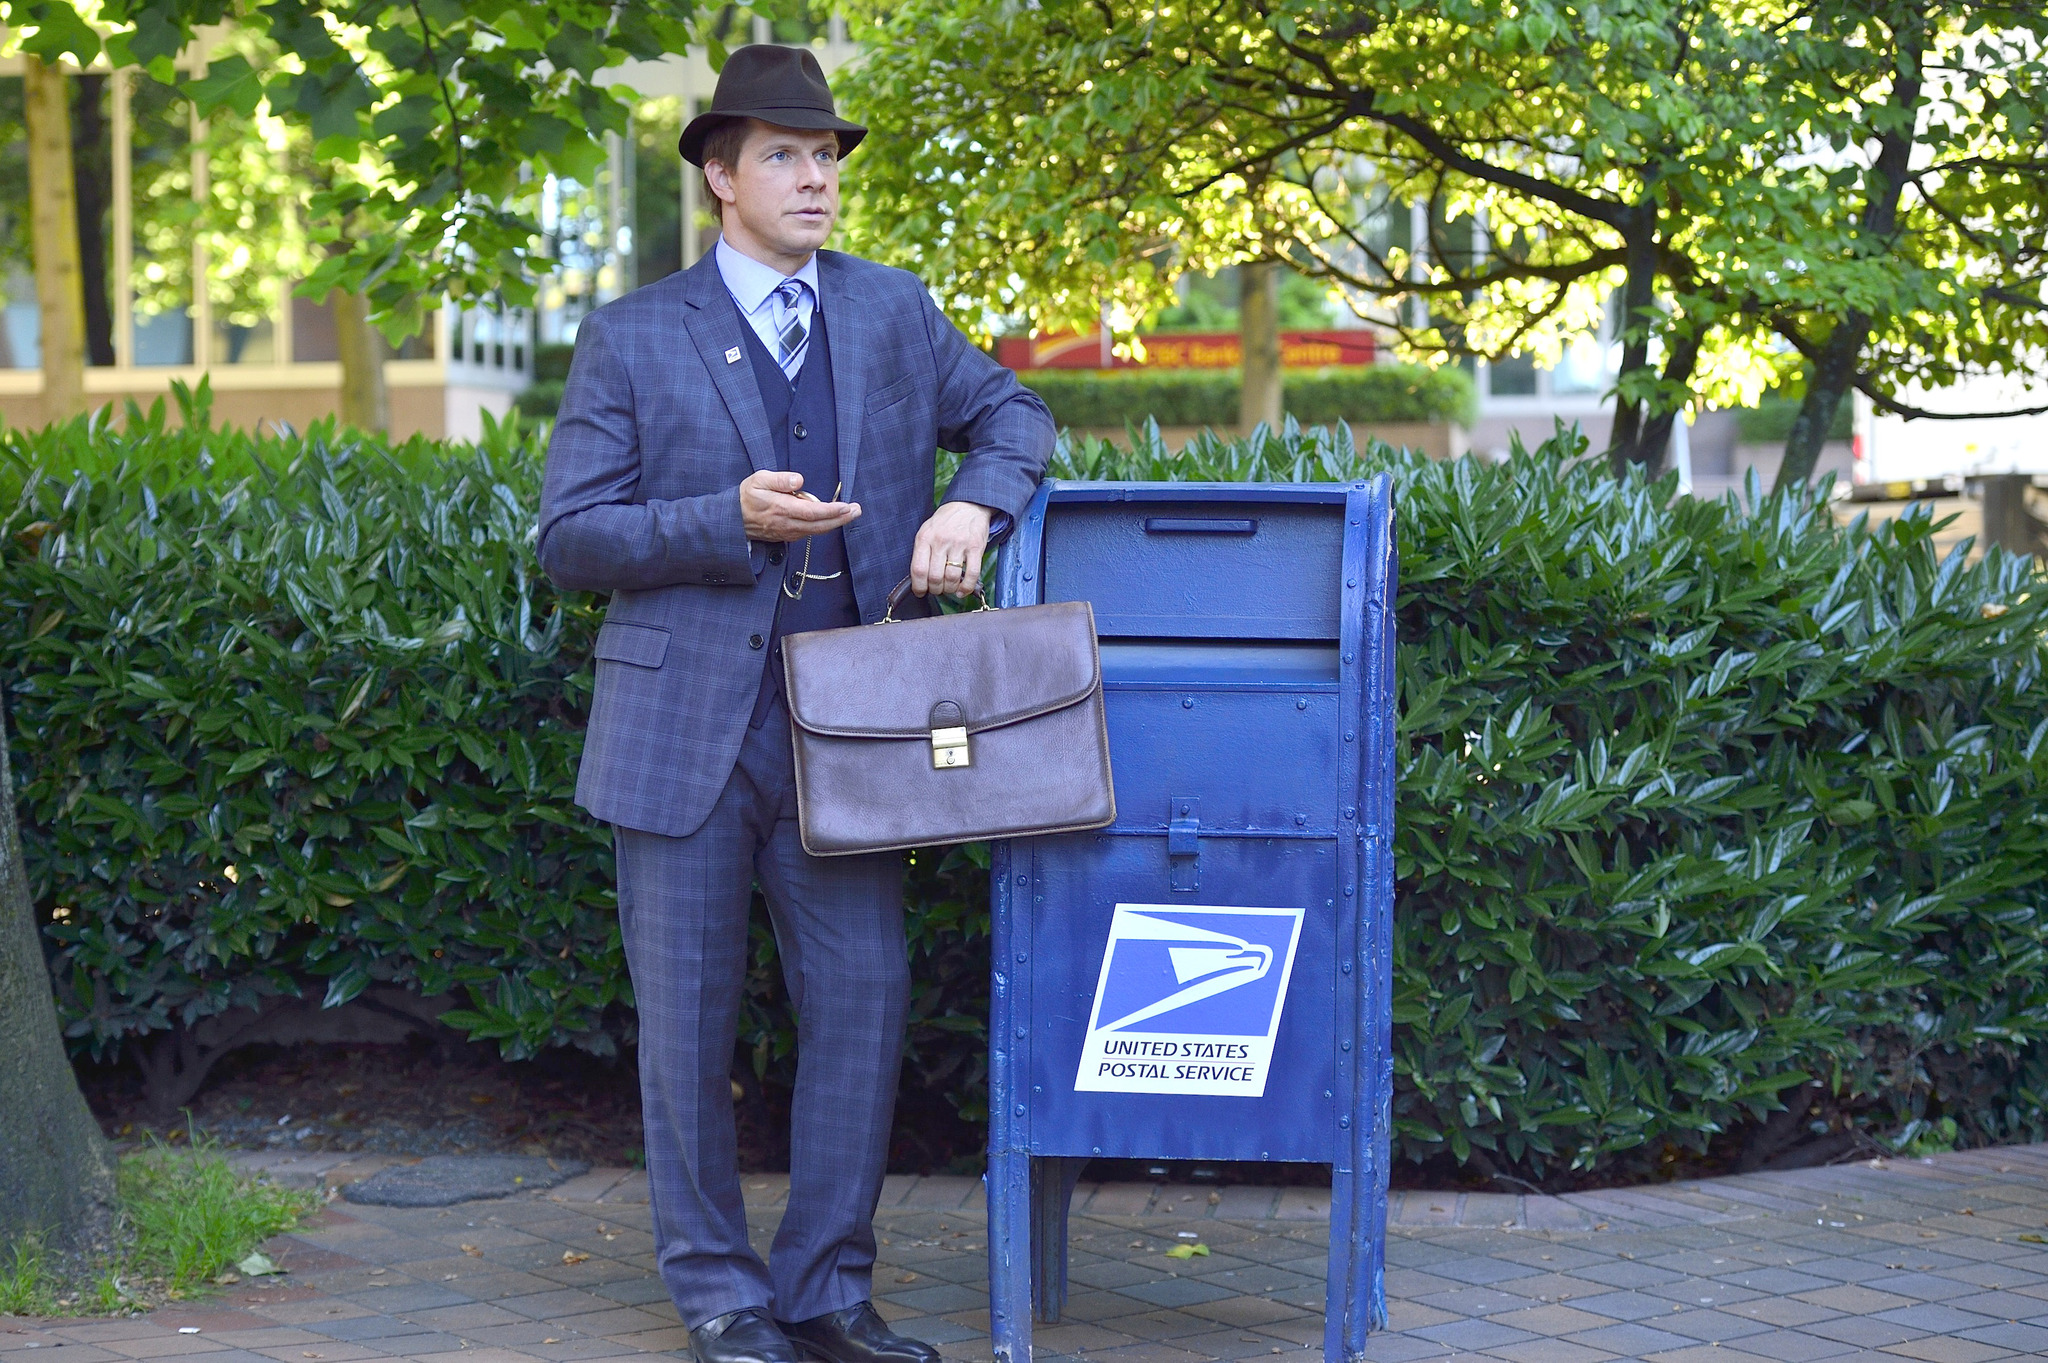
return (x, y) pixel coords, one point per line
(790, 334)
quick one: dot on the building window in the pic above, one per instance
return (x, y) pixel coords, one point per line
(1513, 377)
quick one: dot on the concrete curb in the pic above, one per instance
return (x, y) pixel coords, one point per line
(1694, 1202)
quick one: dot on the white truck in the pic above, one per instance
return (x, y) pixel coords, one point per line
(1979, 473)
(1891, 449)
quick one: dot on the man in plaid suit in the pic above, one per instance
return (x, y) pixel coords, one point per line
(745, 450)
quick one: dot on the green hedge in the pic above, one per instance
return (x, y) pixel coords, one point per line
(551, 361)
(297, 716)
(1383, 393)
(1696, 804)
(1209, 397)
(541, 398)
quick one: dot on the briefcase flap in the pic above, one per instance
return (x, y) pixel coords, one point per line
(998, 667)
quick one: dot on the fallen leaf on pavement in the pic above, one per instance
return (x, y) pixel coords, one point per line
(573, 1256)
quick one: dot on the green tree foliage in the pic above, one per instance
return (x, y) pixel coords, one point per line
(1699, 805)
(1210, 303)
(1921, 260)
(255, 221)
(440, 112)
(1735, 178)
(166, 215)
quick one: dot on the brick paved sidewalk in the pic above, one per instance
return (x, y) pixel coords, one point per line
(1943, 1260)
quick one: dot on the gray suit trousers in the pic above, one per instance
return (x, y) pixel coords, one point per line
(683, 906)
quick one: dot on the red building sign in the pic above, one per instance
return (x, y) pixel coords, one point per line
(1183, 350)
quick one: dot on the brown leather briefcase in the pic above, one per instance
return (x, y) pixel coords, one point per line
(984, 724)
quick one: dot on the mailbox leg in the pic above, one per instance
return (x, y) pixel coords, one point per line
(1348, 1306)
(1052, 1194)
(1009, 1255)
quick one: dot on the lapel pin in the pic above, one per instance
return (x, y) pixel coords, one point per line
(733, 356)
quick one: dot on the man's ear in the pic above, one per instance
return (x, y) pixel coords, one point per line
(720, 181)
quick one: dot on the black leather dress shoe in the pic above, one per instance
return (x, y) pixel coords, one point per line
(745, 1336)
(855, 1335)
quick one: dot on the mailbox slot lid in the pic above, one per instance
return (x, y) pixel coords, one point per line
(1263, 665)
(1200, 568)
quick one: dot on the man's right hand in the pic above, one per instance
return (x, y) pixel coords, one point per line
(775, 513)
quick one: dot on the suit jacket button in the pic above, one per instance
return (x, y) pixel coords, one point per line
(755, 641)
(775, 556)
(799, 432)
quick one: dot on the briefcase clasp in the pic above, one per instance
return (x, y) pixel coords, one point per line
(949, 748)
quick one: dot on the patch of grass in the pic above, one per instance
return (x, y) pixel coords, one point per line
(186, 1219)
(194, 1216)
(25, 1281)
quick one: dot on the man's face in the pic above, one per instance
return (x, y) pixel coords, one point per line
(784, 187)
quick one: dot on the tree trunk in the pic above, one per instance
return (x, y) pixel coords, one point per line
(53, 215)
(365, 398)
(1830, 373)
(1827, 382)
(56, 1176)
(1653, 435)
(1258, 313)
(92, 178)
(1627, 444)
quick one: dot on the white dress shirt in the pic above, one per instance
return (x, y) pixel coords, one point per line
(752, 286)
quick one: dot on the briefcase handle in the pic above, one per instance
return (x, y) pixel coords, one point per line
(902, 589)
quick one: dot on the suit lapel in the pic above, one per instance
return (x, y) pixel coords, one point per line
(714, 323)
(843, 322)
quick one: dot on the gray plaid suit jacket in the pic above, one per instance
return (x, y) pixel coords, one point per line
(660, 421)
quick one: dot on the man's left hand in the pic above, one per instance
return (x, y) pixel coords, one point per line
(947, 556)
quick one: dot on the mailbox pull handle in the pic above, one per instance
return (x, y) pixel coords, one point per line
(1188, 525)
(1183, 845)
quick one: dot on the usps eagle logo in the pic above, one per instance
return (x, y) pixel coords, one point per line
(1189, 1000)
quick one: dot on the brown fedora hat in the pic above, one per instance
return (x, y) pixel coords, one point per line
(780, 85)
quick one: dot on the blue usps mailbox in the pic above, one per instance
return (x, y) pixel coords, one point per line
(1209, 976)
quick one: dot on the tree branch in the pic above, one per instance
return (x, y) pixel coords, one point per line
(1866, 385)
(1613, 214)
(441, 79)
